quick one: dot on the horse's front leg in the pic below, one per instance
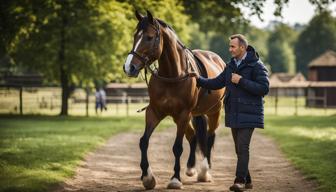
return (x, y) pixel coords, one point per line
(152, 120)
(182, 123)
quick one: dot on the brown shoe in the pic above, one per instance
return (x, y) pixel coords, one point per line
(237, 187)
(248, 186)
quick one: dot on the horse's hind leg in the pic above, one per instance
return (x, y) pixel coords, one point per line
(201, 126)
(213, 125)
(191, 137)
(204, 175)
(147, 177)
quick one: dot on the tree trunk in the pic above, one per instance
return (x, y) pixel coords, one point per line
(63, 67)
(65, 91)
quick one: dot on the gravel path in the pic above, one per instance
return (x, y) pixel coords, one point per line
(115, 166)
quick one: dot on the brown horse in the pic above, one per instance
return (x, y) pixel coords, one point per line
(173, 92)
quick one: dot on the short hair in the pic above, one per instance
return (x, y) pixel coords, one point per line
(241, 38)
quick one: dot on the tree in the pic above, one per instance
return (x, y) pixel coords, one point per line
(223, 15)
(258, 38)
(79, 42)
(15, 22)
(76, 42)
(219, 16)
(198, 38)
(171, 11)
(318, 37)
(220, 45)
(280, 49)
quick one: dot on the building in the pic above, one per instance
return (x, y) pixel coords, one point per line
(321, 91)
(123, 92)
(285, 84)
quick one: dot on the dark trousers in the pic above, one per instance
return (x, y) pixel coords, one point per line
(242, 138)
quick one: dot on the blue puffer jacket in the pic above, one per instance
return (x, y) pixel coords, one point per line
(243, 101)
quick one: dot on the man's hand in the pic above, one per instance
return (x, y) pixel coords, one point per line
(235, 78)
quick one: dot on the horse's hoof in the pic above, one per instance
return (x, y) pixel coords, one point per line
(191, 172)
(205, 177)
(174, 184)
(149, 181)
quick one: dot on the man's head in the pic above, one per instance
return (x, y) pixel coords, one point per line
(238, 45)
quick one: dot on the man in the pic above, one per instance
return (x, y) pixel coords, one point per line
(100, 100)
(246, 81)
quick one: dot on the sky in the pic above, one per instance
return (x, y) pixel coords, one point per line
(296, 11)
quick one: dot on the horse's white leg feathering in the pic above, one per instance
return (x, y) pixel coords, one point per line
(204, 175)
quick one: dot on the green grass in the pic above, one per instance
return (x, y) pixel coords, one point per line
(310, 143)
(286, 106)
(37, 152)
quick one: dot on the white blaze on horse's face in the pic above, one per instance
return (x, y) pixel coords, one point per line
(129, 69)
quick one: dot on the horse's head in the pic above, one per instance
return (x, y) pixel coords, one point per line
(147, 46)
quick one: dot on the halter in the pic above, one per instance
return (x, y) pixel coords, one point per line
(149, 59)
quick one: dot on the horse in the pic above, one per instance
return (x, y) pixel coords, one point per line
(174, 92)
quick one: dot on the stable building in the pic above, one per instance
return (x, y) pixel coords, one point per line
(289, 85)
(321, 90)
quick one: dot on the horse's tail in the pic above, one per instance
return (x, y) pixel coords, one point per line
(200, 124)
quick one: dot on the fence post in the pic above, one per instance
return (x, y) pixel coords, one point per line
(276, 101)
(325, 99)
(21, 111)
(296, 102)
(117, 107)
(87, 101)
(127, 106)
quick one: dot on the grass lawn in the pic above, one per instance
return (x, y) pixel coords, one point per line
(37, 152)
(310, 143)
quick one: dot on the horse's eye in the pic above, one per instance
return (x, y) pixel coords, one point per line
(149, 38)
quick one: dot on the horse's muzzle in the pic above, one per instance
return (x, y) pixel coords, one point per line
(133, 71)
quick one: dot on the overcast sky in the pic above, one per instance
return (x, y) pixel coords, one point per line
(296, 11)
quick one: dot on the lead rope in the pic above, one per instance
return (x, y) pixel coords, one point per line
(146, 79)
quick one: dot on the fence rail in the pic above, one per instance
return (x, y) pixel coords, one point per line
(48, 101)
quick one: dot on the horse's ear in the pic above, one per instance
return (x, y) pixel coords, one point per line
(138, 15)
(150, 17)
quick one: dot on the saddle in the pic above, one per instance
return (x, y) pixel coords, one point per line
(199, 65)
(202, 71)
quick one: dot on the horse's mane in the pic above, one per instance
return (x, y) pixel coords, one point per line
(143, 24)
(164, 24)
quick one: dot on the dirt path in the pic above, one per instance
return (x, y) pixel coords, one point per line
(115, 166)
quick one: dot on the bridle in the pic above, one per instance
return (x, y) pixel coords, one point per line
(149, 59)
(146, 61)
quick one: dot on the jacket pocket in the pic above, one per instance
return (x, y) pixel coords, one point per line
(250, 107)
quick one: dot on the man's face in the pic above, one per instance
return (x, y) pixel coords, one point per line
(236, 50)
